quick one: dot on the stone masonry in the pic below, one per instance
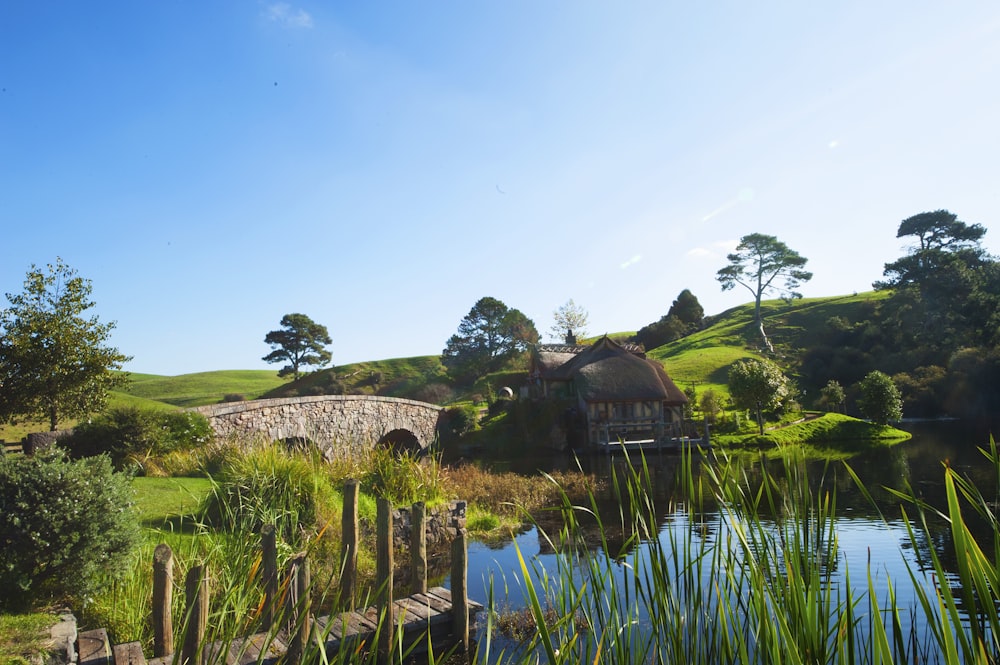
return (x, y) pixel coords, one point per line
(333, 422)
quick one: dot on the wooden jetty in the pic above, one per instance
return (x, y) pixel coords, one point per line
(437, 619)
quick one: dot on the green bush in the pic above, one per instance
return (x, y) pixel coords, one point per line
(268, 485)
(65, 527)
(459, 420)
(130, 434)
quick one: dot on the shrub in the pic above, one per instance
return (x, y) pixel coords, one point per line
(129, 434)
(234, 397)
(65, 526)
(459, 420)
(267, 485)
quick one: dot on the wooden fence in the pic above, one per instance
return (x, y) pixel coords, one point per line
(435, 616)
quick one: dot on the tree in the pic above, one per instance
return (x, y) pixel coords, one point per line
(761, 264)
(944, 288)
(880, 400)
(489, 336)
(688, 310)
(758, 385)
(299, 342)
(54, 361)
(569, 318)
(832, 395)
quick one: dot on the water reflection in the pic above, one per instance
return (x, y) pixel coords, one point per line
(870, 536)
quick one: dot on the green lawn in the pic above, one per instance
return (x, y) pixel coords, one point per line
(163, 500)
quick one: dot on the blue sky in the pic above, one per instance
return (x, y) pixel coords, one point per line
(212, 166)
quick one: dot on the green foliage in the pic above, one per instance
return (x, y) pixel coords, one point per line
(402, 479)
(266, 485)
(422, 378)
(460, 420)
(569, 318)
(66, 527)
(130, 435)
(299, 342)
(880, 400)
(833, 395)
(54, 361)
(759, 263)
(758, 385)
(489, 337)
(684, 317)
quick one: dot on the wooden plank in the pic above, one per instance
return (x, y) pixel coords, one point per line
(417, 611)
(445, 594)
(129, 653)
(249, 651)
(433, 601)
(93, 647)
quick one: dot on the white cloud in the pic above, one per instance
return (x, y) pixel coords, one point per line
(631, 262)
(285, 14)
(701, 253)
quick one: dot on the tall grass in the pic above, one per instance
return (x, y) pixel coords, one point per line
(753, 581)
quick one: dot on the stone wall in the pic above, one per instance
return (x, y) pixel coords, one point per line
(330, 421)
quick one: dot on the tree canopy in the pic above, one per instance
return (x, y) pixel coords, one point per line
(880, 400)
(569, 318)
(684, 317)
(55, 363)
(763, 264)
(299, 342)
(489, 336)
(758, 385)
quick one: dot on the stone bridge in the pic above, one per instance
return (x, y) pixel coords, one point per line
(333, 422)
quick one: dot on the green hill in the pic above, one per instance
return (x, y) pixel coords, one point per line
(204, 387)
(421, 377)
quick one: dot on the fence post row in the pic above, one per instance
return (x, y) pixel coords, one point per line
(298, 604)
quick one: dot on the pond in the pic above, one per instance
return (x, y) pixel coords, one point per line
(872, 544)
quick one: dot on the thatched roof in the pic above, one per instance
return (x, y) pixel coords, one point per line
(606, 371)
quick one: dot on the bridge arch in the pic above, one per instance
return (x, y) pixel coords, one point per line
(333, 422)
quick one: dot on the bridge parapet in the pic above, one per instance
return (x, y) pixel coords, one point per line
(330, 421)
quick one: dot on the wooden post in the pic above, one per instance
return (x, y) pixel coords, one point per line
(460, 589)
(163, 595)
(418, 546)
(196, 612)
(349, 545)
(269, 567)
(298, 608)
(383, 578)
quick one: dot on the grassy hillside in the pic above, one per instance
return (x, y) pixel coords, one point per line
(703, 358)
(420, 377)
(204, 387)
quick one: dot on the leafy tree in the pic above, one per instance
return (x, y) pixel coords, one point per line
(65, 527)
(299, 342)
(758, 385)
(762, 264)
(684, 317)
(54, 361)
(688, 310)
(833, 395)
(880, 400)
(569, 318)
(710, 405)
(489, 336)
(945, 288)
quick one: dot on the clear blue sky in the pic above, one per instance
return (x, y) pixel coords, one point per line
(211, 166)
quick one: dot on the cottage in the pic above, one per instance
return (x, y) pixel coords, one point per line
(619, 394)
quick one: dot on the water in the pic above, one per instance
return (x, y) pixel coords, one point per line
(871, 539)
